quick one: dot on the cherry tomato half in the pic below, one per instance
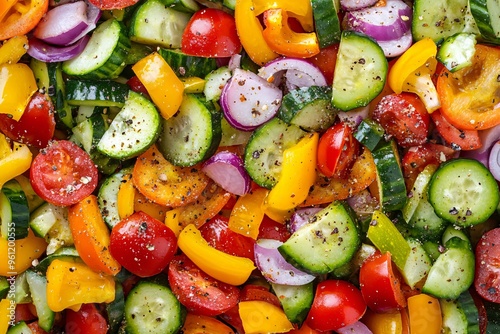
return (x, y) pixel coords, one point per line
(197, 291)
(337, 150)
(270, 229)
(487, 278)
(381, 284)
(211, 32)
(458, 139)
(404, 117)
(218, 235)
(336, 304)
(63, 174)
(86, 320)
(37, 124)
(142, 244)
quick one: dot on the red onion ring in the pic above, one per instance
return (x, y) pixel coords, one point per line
(302, 73)
(52, 54)
(494, 160)
(227, 170)
(356, 4)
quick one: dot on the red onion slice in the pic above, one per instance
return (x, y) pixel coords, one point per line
(396, 47)
(494, 160)
(52, 54)
(356, 4)
(275, 268)
(248, 100)
(488, 137)
(357, 327)
(301, 217)
(93, 16)
(355, 116)
(227, 170)
(62, 24)
(383, 23)
(302, 72)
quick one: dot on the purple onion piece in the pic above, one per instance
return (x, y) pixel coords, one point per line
(301, 217)
(227, 170)
(248, 100)
(494, 160)
(363, 204)
(93, 16)
(62, 24)
(51, 54)
(396, 47)
(488, 138)
(356, 4)
(383, 23)
(275, 268)
(358, 327)
(354, 117)
(234, 62)
(276, 69)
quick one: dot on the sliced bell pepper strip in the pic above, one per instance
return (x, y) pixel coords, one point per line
(91, 236)
(17, 85)
(20, 257)
(163, 85)
(15, 162)
(13, 49)
(172, 220)
(247, 213)
(71, 284)
(250, 32)
(193, 84)
(283, 40)
(386, 237)
(5, 318)
(363, 173)
(297, 175)
(126, 197)
(226, 268)
(299, 9)
(262, 317)
(424, 313)
(413, 71)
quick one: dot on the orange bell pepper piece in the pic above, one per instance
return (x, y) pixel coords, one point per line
(17, 259)
(262, 317)
(17, 85)
(247, 213)
(91, 236)
(424, 314)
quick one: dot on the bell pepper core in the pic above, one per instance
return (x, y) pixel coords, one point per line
(413, 71)
(224, 267)
(163, 86)
(17, 85)
(283, 40)
(70, 284)
(262, 317)
(297, 175)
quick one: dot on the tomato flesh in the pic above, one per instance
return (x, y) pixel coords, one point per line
(336, 304)
(404, 117)
(380, 284)
(37, 124)
(143, 245)
(487, 278)
(199, 292)
(112, 4)
(270, 229)
(63, 174)
(457, 138)
(211, 32)
(86, 320)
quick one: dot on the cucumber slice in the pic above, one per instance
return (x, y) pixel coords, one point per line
(105, 54)
(38, 287)
(360, 71)
(264, 151)
(186, 6)
(486, 14)
(185, 65)
(369, 133)
(20, 328)
(4, 287)
(460, 315)
(96, 93)
(457, 51)
(108, 196)
(463, 192)
(296, 300)
(326, 22)
(215, 81)
(151, 307)
(154, 23)
(309, 108)
(325, 244)
(193, 134)
(14, 211)
(133, 130)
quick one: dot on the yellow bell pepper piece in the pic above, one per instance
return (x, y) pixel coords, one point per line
(172, 220)
(299, 9)
(17, 85)
(247, 213)
(163, 85)
(384, 323)
(193, 85)
(5, 149)
(15, 163)
(226, 268)
(6, 317)
(297, 175)
(413, 71)
(70, 284)
(13, 49)
(126, 197)
(424, 314)
(262, 317)
(250, 32)
(18, 255)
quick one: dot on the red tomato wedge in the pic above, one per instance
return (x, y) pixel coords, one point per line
(143, 245)
(86, 320)
(469, 97)
(37, 124)
(112, 4)
(211, 32)
(199, 292)
(457, 138)
(63, 173)
(19, 17)
(487, 278)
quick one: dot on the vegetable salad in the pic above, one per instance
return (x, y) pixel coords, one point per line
(249, 166)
